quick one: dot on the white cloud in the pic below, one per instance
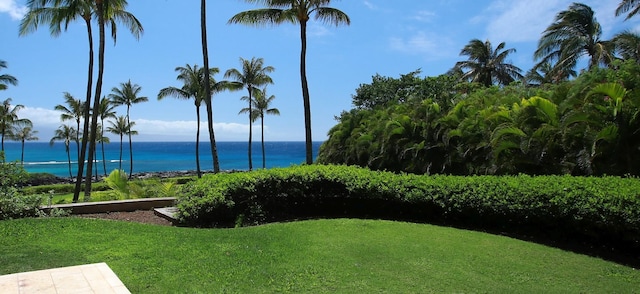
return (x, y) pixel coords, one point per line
(525, 20)
(519, 20)
(424, 16)
(369, 5)
(46, 121)
(422, 43)
(11, 7)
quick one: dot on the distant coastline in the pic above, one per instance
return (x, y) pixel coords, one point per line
(158, 157)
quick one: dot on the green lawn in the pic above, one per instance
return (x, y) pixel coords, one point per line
(345, 256)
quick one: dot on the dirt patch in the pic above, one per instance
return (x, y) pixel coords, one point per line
(138, 216)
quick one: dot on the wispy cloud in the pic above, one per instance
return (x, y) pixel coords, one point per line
(369, 5)
(422, 43)
(424, 16)
(46, 121)
(524, 20)
(15, 11)
(519, 20)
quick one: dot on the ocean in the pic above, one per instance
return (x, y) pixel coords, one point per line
(158, 156)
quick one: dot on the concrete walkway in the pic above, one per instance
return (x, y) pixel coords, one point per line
(88, 278)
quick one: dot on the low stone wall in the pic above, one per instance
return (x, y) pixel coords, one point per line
(117, 205)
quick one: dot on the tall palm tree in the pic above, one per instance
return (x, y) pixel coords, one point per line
(630, 6)
(6, 79)
(575, 33)
(127, 95)
(9, 119)
(105, 111)
(297, 12)
(192, 78)
(59, 12)
(22, 134)
(486, 65)
(121, 127)
(261, 106)
(74, 111)
(628, 45)
(207, 86)
(64, 133)
(253, 75)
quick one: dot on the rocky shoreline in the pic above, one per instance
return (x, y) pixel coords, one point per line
(49, 179)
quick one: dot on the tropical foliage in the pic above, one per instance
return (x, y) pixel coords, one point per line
(128, 94)
(6, 79)
(297, 12)
(252, 76)
(588, 126)
(487, 65)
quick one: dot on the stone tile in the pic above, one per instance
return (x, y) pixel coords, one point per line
(90, 278)
(9, 283)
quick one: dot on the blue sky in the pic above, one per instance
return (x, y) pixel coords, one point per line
(385, 37)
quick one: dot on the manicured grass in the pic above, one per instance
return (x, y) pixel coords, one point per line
(343, 255)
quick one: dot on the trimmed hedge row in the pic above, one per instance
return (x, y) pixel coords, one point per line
(596, 207)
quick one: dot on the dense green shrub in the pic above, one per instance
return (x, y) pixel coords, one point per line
(596, 207)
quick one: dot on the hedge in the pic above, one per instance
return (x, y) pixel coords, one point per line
(604, 208)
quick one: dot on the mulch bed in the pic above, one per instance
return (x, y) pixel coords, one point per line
(138, 216)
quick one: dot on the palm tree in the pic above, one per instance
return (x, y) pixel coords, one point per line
(261, 106)
(253, 75)
(486, 65)
(65, 133)
(22, 134)
(207, 86)
(127, 95)
(193, 87)
(9, 119)
(543, 73)
(58, 12)
(105, 111)
(75, 111)
(297, 12)
(574, 33)
(628, 45)
(631, 6)
(121, 127)
(5, 78)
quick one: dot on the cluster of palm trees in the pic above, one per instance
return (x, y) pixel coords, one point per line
(459, 123)
(586, 126)
(58, 13)
(11, 126)
(252, 76)
(108, 13)
(574, 34)
(127, 94)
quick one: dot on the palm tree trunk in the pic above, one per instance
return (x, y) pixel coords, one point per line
(250, 129)
(104, 161)
(69, 161)
(264, 162)
(305, 93)
(198, 142)
(130, 146)
(81, 156)
(22, 154)
(96, 98)
(207, 86)
(120, 164)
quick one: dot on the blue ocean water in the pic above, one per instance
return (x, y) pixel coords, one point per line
(158, 156)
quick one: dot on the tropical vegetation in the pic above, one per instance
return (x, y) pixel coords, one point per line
(296, 12)
(252, 76)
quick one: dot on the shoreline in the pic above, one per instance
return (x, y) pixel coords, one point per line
(53, 179)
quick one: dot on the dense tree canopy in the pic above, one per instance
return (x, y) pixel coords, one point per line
(587, 126)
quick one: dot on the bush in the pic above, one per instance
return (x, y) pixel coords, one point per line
(14, 205)
(606, 208)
